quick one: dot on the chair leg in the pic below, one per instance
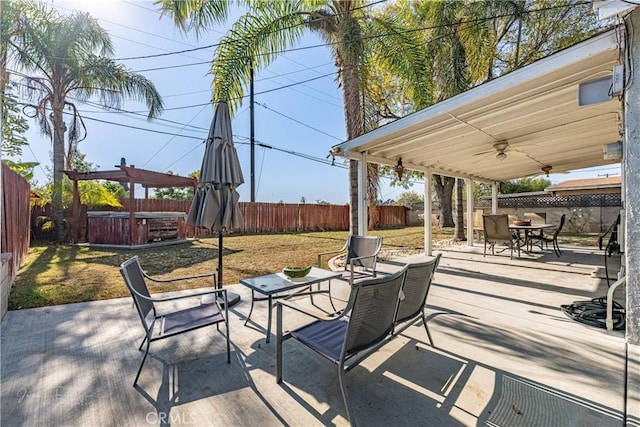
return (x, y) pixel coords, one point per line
(143, 359)
(142, 343)
(278, 343)
(426, 328)
(330, 297)
(343, 389)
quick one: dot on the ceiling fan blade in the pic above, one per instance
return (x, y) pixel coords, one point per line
(480, 153)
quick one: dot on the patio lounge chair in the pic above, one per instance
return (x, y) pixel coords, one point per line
(364, 326)
(415, 291)
(362, 256)
(496, 230)
(157, 325)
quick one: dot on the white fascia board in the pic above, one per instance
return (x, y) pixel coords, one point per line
(595, 45)
(608, 8)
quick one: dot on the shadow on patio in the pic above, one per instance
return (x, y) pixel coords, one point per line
(505, 355)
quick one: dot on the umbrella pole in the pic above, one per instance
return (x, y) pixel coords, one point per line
(220, 260)
(232, 298)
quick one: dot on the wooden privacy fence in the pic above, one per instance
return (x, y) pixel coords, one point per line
(15, 229)
(269, 217)
(281, 217)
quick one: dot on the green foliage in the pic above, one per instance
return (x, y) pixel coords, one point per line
(25, 169)
(173, 193)
(14, 124)
(411, 200)
(176, 193)
(92, 194)
(524, 185)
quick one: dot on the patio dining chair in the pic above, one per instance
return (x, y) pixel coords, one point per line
(361, 256)
(415, 291)
(496, 230)
(364, 326)
(160, 325)
(553, 239)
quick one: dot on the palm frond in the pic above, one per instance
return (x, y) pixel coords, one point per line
(256, 39)
(196, 15)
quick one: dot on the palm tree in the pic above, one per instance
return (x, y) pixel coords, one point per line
(270, 27)
(68, 56)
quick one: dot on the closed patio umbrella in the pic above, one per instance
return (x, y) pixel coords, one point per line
(215, 203)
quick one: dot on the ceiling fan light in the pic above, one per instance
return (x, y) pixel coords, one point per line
(501, 156)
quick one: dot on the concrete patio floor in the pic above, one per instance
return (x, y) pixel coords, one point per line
(505, 355)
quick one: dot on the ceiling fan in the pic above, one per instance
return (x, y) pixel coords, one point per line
(501, 149)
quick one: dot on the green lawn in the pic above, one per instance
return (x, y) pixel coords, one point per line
(53, 275)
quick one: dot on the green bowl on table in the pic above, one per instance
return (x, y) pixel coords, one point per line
(296, 273)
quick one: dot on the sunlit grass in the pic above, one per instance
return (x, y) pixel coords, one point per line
(52, 275)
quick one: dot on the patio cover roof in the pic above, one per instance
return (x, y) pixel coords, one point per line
(535, 109)
(147, 178)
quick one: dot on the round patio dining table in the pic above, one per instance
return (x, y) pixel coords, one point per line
(529, 230)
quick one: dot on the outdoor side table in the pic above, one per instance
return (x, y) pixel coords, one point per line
(277, 283)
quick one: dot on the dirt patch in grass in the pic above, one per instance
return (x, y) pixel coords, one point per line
(62, 274)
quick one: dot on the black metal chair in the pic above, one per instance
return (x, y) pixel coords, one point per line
(553, 239)
(159, 326)
(364, 326)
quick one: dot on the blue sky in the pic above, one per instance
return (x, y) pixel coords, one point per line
(306, 118)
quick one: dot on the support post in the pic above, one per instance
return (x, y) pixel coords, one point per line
(133, 235)
(252, 139)
(494, 198)
(75, 213)
(469, 211)
(362, 195)
(631, 172)
(427, 213)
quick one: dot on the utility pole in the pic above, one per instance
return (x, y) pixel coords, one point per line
(252, 135)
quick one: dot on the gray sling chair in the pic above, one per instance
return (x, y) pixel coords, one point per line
(361, 259)
(362, 256)
(378, 309)
(167, 324)
(415, 291)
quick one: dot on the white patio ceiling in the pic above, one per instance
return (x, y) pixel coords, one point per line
(535, 109)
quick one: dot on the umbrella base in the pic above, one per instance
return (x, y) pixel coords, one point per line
(232, 298)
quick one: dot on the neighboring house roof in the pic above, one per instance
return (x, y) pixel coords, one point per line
(586, 184)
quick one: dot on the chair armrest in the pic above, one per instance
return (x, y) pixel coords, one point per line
(344, 248)
(316, 314)
(174, 279)
(179, 297)
(326, 253)
(364, 257)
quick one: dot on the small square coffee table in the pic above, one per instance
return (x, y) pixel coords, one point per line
(277, 283)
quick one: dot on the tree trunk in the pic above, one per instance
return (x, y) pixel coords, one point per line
(59, 130)
(350, 81)
(458, 233)
(444, 190)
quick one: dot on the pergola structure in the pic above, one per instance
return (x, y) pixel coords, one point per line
(574, 109)
(131, 176)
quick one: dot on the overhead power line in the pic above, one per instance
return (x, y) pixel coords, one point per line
(299, 122)
(410, 30)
